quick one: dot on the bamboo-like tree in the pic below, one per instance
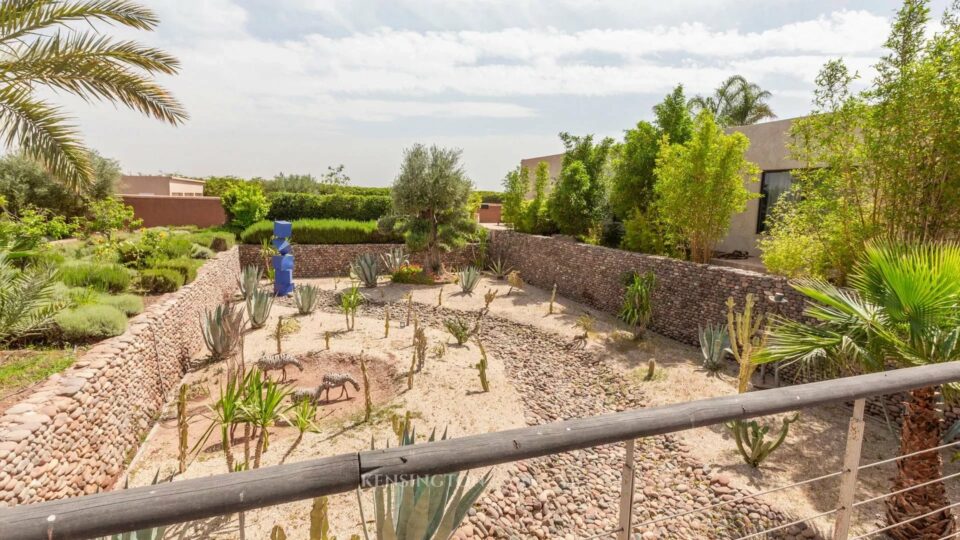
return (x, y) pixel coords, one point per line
(903, 309)
(41, 49)
(736, 102)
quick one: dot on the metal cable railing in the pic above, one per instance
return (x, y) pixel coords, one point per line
(904, 522)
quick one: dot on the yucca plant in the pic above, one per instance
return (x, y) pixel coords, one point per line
(364, 269)
(394, 259)
(637, 310)
(222, 330)
(499, 269)
(306, 298)
(301, 417)
(262, 407)
(468, 279)
(249, 280)
(350, 300)
(428, 508)
(713, 343)
(226, 412)
(259, 304)
(28, 302)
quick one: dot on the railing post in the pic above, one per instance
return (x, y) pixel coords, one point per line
(626, 492)
(848, 478)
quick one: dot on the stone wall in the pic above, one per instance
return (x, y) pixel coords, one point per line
(686, 294)
(329, 260)
(76, 431)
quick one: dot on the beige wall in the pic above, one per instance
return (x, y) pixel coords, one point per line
(555, 161)
(185, 187)
(159, 185)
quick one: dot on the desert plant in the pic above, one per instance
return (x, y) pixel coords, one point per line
(259, 304)
(651, 370)
(553, 298)
(285, 327)
(637, 310)
(418, 357)
(713, 342)
(301, 417)
(249, 280)
(27, 301)
(750, 438)
(489, 297)
(438, 503)
(364, 269)
(367, 399)
(386, 322)
(499, 269)
(440, 297)
(515, 281)
(350, 300)
(160, 280)
(481, 366)
(186, 267)
(468, 279)
(438, 351)
(326, 339)
(129, 304)
(182, 427)
(226, 413)
(222, 330)
(409, 298)
(306, 298)
(745, 337)
(109, 277)
(90, 323)
(459, 329)
(413, 274)
(395, 259)
(262, 407)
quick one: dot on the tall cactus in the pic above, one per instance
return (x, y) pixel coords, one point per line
(481, 366)
(745, 338)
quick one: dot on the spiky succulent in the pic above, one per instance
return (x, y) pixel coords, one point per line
(364, 268)
(306, 298)
(259, 304)
(249, 280)
(395, 259)
(222, 330)
(468, 279)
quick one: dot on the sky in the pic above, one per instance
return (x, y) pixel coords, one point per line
(295, 86)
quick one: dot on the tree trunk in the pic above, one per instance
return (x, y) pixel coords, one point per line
(433, 251)
(922, 429)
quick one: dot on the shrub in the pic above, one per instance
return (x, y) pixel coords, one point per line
(186, 267)
(102, 277)
(216, 240)
(160, 280)
(291, 206)
(90, 323)
(413, 274)
(323, 231)
(200, 252)
(129, 304)
(176, 246)
(245, 204)
(110, 215)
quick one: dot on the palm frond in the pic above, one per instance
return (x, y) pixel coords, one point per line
(20, 18)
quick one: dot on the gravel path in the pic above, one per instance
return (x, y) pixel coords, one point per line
(575, 495)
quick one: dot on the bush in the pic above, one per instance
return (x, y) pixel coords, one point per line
(245, 204)
(176, 246)
(291, 206)
(186, 267)
(200, 252)
(90, 323)
(102, 277)
(413, 274)
(129, 304)
(160, 280)
(215, 240)
(323, 231)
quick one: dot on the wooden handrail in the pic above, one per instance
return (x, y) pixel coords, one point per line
(186, 500)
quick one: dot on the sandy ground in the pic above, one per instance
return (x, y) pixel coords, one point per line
(445, 394)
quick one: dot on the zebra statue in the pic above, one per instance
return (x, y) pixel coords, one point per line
(278, 361)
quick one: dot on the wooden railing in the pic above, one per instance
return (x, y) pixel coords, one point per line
(186, 500)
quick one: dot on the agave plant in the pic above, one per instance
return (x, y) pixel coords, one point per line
(468, 278)
(249, 280)
(306, 298)
(365, 269)
(259, 304)
(713, 343)
(428, 508)
(222, 330)
(395, 259)
(499, 268)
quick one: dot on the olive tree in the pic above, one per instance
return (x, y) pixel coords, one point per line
(430, 201)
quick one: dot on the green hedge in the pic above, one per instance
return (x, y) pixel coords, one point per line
(102, 277)
(215, 240)
(290, 206)
(129, 304)
(90, 323)
(186, 267)
(160, 280)
(323, 231)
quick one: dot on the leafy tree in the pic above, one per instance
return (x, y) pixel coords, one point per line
(736, 102)
(516, 184)
(42, 50)
(335, 176)
(26, 183)
(700, 185)
(900, 309)
(245, 204)
(631, 186)
(430, 198)
(216, 186)
(879, 163)
(673, 117)
(536, 212)
(570, 201)
(594, 159)
(111, 215)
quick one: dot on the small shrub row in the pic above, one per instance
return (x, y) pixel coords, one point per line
(108, 277)
(290, 206)
(161, 280)
(323, 231)
(215, 240)
(90, 323)
(186, 267)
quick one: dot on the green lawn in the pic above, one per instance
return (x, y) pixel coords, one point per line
(20, 369)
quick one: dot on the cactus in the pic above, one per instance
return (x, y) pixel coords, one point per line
(419, 356)
(745, 338)
(713, 340)
(459, 329)
(259, 304)
(553, 298)
(367, 400)
(651, 370)
(401, 425)
(499, 268)
(249, 280)
(468, 278)
(513, 278)
(440, 297)
(222, 330)
(394, 259)
(285, 327)
(364, 268)
(750, 436)
(350, 301)
(386, 322)
(326, 339)
(481, 366)
(489, 297)
(182, 429)
(306, 298)
(409, 298)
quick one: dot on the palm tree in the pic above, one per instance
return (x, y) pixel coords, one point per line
(39, 48)
(736, 102)
(903, 310)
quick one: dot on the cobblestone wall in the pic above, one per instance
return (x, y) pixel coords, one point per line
(686, 294)
(75, 433)
(329, 260)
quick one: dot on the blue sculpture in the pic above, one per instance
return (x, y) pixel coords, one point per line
(282, 263)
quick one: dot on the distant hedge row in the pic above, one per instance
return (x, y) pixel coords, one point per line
(290, 206)
(323, 231)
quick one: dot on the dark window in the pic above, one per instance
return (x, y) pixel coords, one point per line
(484, 206)
(773, 185)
